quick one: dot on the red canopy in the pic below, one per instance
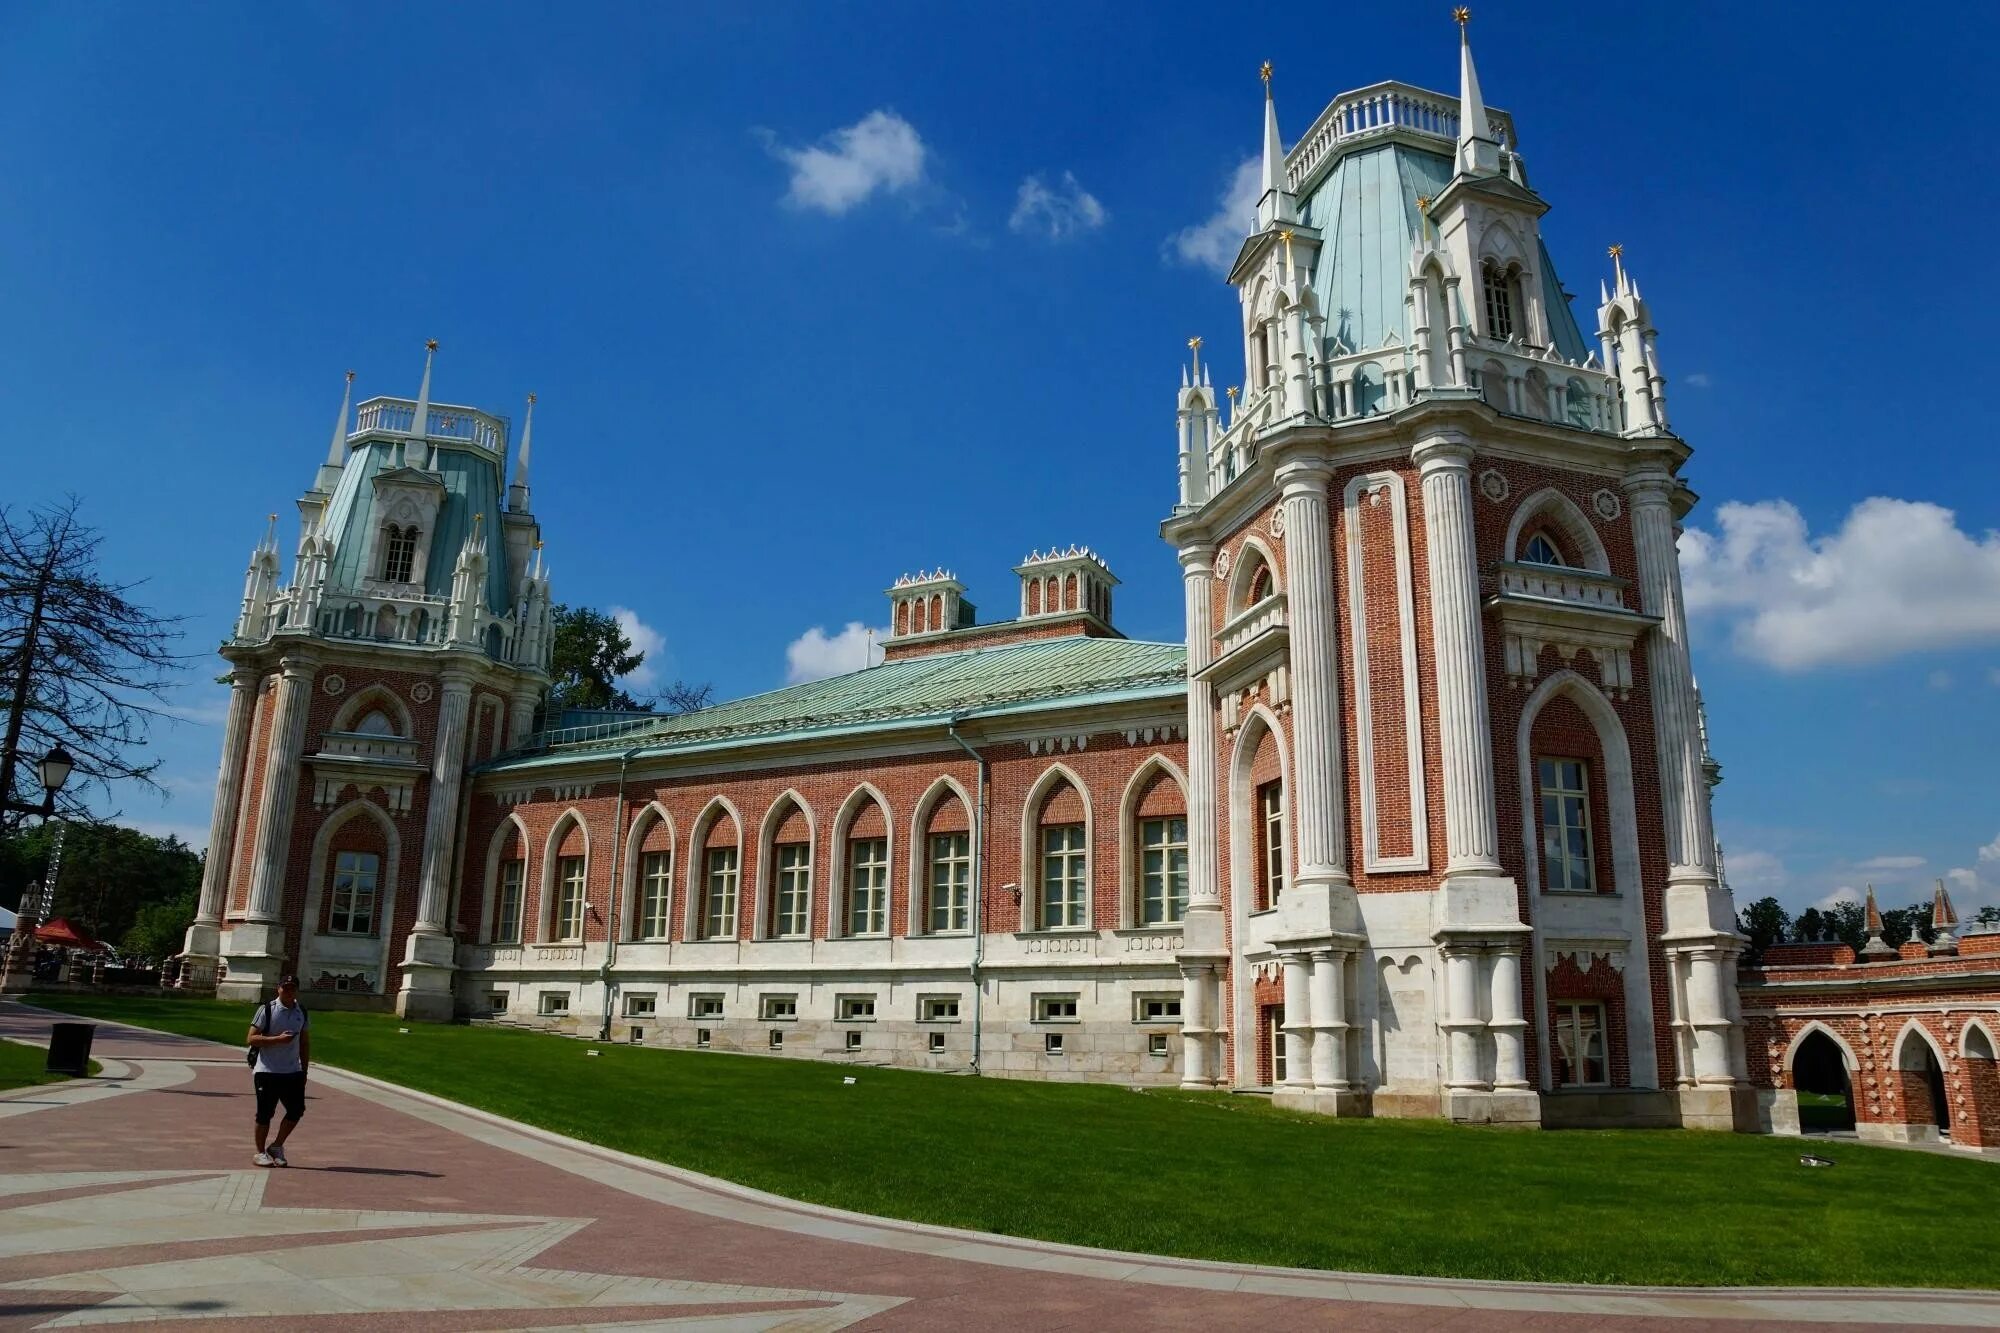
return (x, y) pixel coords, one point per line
(62, 933)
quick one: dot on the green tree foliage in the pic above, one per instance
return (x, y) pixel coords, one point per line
(1987, 916)
(590, 655)
(160, 928)
(109, 879)
(1765, 923)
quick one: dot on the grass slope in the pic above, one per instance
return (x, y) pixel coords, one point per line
(21, 1066)
(1203, 1175)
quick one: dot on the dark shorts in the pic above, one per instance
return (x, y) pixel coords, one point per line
(272, 1089)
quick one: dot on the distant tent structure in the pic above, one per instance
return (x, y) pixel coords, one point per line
(66, 935)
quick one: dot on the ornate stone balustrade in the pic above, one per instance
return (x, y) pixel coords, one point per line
(1573, 610)
(1380, 109)
(394, 416)
(1560, 583)
(1252, 622)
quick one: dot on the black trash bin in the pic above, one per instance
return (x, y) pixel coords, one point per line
(69, 1048)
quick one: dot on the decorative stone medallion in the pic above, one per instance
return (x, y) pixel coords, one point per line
(1493, 486)
(335, 684)
(1224, 562)
(1277, 524)
(421, 691)
(1607, 504)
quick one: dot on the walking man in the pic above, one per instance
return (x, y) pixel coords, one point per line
(283, 1050)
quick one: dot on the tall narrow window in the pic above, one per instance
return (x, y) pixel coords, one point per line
(718, 907)
(507, 922)
(793, 890)
(1566, 858)
(1499, 289)
(656, 871)
(1275, 1032)
(951, 882)
(868, 886)
(399, 553)
(1063, 877)
(1271, 841)
(569, 898)
(1163, 871)
(354, 880)
(1580, 1050)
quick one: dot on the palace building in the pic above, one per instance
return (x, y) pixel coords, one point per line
(1415, 821)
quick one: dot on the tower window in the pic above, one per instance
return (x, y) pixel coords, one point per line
(1163, 871)
(1565, 792)
(354, 879)
(1500, 304)
(1271, 842)
(1063, 880)
(399, 553)
(1541, 551)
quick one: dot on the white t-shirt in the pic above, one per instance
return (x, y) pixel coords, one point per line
(271, 1019)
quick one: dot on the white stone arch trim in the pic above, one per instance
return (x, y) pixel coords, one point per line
(546, 916)
(1031, 846)
(717, 809)
(1900, 1048)
(1847, 1056)
(919, 845)
(635, 838)
(836, 859)
(1244, 568)
(1626, 881)
(1243, 844)
(385, 889)
(1978, 1025)
(1130, 859)
(370, 698)
(767, 872)
(1552, 508)
(490, 895)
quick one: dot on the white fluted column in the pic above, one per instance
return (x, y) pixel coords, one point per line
(441, 814)
(204, 937)
(281, 788)
(1676, 715)
(1510, 1065)
(1708, 1017)
(1204, 934)
(1298, 380)
(1465, 1024)
(1465, 734)
(1320, 839)
(1329, 1020)
(1298, 1022)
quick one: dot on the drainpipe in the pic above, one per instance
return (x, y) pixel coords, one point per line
(978, 879)
(617, 882)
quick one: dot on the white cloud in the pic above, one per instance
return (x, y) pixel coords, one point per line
(1899, 576)
(1700, 379)
(1843, 894)
(1059, 213)
(644, 639)
(1885, 863)
(881, 151)
(1939, 679)
(1756, 874)
(1214, 243)
(1991, 851)
(817, 654)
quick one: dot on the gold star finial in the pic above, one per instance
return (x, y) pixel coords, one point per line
(1616, 252)
(531, 398)
(538, 544)
(1462, 15)
(271, 518)
(430, 344)
(1195, 342)
(350, 377)
(1233, 391)
(1264, 73)
(1423, 203)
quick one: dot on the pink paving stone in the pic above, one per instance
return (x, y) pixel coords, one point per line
(351, 1153)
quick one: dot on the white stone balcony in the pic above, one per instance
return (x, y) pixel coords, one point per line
(365, 761)
(395, 416)
(1251, 622)
(1376, 112)
(1254, 645)
(1561, 583)
(1573, 610)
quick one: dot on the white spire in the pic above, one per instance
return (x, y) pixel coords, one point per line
(517, 494)
(336, 452)
(1274, 204)
(1478, 154)
(420, 424)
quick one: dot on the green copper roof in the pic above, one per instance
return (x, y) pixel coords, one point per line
(918, 689)
(471, 486)
(1366, 209)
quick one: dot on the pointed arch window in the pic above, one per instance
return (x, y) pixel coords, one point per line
(355, 876)
(950, 882)
(793, 890)
(656, 870)
(1502, 306)
(569, 898)
(507, 919)
(1063, 877)
(1539, 549)
(399, 553)
(868, 886)
(1163, 870)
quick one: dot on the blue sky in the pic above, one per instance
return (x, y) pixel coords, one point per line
(815, 295)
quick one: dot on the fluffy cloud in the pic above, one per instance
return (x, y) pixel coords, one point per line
(645, 639)
(1887, 863)
(1843, 894)
(1059, 213)
(1214, 243)
(881, 151)
(1991, 851)
(817, 654)
(1755, 874)
(1700, 379)
(1898, 576)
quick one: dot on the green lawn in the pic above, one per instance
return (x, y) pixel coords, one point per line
(21, 1066)
(1204, 1174)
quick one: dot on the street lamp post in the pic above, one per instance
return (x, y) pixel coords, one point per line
(18, 966)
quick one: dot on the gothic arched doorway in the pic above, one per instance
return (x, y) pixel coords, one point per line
(1923, 1082)
(1819, 1075)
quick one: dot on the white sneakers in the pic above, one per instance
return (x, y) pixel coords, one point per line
(278, 1155)
(264, 1159)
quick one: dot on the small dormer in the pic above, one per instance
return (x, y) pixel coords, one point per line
(1068, 582)
(407, 501)
(928, 603)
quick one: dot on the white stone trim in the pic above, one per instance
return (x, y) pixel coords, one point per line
(546, 913)
(1419, 857)
(1965, 1040)
(836, 860)
(1626, 879)
(366, 700)
(1130, 877)
(919, 850)
(1552, 507)
(650, 813)
(1241, 870)
(1901, 1043)
(489, 898)
(1241, 571)
(385, 891)
(766, 883)
(1031, 848)
(696, 870)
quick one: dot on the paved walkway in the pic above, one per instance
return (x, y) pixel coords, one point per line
(130, 1199)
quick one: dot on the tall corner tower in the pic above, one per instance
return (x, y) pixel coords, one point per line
(411, 643)
(1451, 849)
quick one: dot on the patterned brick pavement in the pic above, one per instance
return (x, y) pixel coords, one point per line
(131, 1199)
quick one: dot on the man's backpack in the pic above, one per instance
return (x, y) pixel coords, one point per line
(250, 1054)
